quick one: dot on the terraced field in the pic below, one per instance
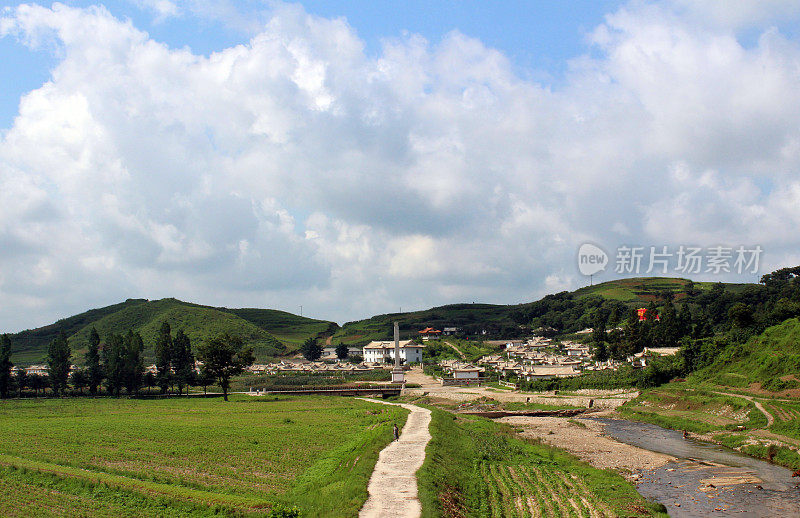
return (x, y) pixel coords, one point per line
(528, 491)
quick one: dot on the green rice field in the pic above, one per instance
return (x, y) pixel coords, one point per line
(190, 457)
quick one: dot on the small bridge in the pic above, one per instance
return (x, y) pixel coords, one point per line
(384, 391)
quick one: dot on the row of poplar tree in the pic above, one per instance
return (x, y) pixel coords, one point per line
(116, 365)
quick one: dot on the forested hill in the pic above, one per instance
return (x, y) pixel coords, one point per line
(270, 332)
(565, 312)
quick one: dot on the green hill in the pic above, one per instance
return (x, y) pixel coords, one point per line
(30, 346)
(771, 359)
(271, 333)
(472, 319)
(643, 290)
(566, 311)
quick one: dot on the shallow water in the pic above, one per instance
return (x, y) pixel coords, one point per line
(683, 486)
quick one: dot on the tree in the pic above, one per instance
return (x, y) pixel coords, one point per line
(58, 362)
(79, 380)
(311, 350)
(182, 361)
(149, 380)
(133, 366)
(38, 381)
(164, 357)
(204, 379)
(601, 353)
(94, 372)
(22, 380)
(114, 363)
(5, 366)
(342, 351)
(223, 357)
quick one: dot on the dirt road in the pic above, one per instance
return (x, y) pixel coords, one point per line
(456, 349)
(429, 385)
(393, 485)
(758, 405)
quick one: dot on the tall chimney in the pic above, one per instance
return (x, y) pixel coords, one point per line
(396, 346)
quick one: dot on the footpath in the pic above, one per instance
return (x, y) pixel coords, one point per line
(393, 485)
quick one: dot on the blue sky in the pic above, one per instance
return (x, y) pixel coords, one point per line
(539, 36)
(439, 153)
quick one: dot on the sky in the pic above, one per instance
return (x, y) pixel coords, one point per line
(357, 158)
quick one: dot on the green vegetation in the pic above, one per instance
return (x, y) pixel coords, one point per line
(271, 333)
(683, 406)
(475, 467)
(291, 380)
(473, 350)
(471, 319)
(729, 420)
(763, 359)
(182, 456)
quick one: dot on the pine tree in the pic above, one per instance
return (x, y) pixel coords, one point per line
(342, 351)
(182, 361)
(114, 363)
(134, 367)
(94, 372)
(5, 366)
(164, 357)
(58, 361)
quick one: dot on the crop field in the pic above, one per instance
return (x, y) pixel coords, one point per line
(528, 491)
(476, 467)
(188, 456)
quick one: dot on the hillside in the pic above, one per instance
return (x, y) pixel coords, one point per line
(31, 345)
(642, 290)
(271, 333)
(566, 311)
(473, 319)
(771, 359)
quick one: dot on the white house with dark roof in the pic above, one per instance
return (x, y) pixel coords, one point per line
(378, 352)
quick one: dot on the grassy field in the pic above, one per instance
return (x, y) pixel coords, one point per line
(643, 290)
(476, 467)
(185, 455)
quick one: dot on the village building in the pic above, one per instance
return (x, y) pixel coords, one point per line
(381, 352)
(329, 352)
(430, 333)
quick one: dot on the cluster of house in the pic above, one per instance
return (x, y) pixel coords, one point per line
(307, 366)
(36, 370)
(541, 358)
(375, 355)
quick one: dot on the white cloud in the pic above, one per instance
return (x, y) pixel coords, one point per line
(294, 169)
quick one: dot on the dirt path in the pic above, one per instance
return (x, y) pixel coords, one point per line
(758, 405)
(456, 349)
(393, 485)
(433, 388)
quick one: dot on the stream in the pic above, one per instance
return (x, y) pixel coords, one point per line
(707, 479)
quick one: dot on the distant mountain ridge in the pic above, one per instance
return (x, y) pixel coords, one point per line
(270, 332)
(275, 333)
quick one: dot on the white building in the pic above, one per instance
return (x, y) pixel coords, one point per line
(465, 373)
(377, 352)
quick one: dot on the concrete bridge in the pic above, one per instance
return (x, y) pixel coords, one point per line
(383, 391)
